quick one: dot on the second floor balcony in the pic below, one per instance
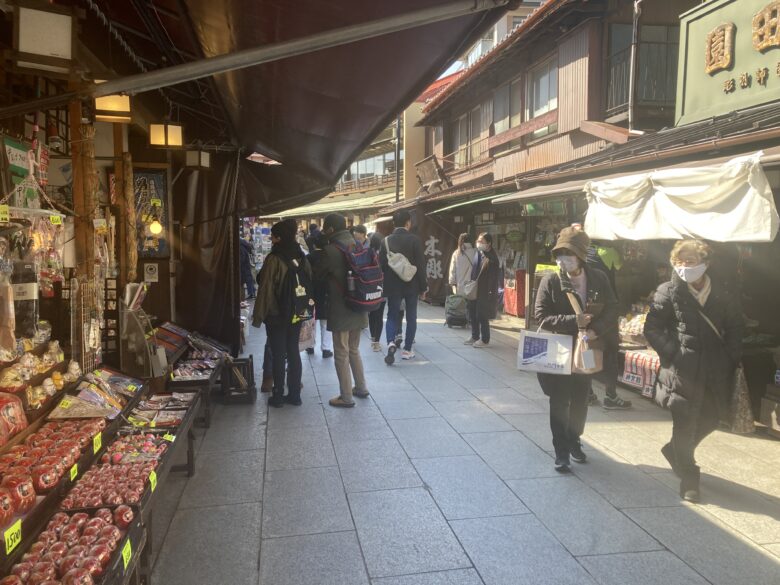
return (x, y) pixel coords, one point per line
(656, 77)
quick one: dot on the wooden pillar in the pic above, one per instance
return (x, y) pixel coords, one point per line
(83, 236)
(121, 204)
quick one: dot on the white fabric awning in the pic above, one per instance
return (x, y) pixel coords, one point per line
(731, 202)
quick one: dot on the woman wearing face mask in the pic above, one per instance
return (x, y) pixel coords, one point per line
(696, 328)
(461, 264)
(486, 272)
(554, 312)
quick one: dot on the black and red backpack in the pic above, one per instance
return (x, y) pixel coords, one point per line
(363, 290)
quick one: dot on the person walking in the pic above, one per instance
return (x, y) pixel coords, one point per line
(246, 253)
(696, 326)
(320, 294)
(462, 265)
(345, 324)
(283, 301)
(554, 311)
(485, 272)
(376, 317)
(406, 251)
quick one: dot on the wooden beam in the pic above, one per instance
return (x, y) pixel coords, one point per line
(610, 132)
(119, 201)
(83, 219)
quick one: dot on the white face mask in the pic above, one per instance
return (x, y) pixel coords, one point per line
(568, 263)
(691, 273)
(482, 247)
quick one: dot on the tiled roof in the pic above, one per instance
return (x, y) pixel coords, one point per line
(438, 86)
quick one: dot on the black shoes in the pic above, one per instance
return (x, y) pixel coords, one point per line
(294, 401)
(668, 452)
(276, 400)
(562, 464)
(577, 453)
(325, 353)
(390, 357)
(310, 350)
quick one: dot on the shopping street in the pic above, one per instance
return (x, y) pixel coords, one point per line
(445, 477)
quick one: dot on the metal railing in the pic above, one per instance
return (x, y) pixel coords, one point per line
(656, 76)
(366, 183)
(467, 155)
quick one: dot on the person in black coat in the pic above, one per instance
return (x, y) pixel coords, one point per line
(696, 327)
(486, 271)
(246, 252)
(320, 296)
(554, 312)
(401, 241)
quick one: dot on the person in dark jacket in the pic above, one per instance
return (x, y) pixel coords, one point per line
(696, 326)
(401, 241)
(314, 234)
(554, 312)
(486, 271)
(275, 308)
(316, 256)
(246, 252)
(376, 317)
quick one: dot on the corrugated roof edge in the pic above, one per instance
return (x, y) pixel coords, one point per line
(483, 62)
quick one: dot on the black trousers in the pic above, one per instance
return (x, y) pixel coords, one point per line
(283, 339)
(375, 319)
(568, 408)
(691, 423)
(480, 325)
(609, 375)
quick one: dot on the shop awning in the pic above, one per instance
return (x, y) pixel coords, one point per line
(729, 202)
(461, 204)
(541, 192)
(335, 205)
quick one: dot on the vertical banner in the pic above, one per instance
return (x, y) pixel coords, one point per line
(438, 245)
(151, 205)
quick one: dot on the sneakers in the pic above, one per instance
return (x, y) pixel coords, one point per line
(562, 464)
(480, 343)
(577, 453)
(360, 393)
(310, 350)
(469, 341)
(616, 403)
(339, 402)
(407, 354)
(593, 400)
(376, 346)
(326, 353)
(390, 357)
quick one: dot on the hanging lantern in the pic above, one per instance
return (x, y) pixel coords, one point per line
(113, 108)
(198, 159)
(155, 227)
(44, 37)
(166, 135)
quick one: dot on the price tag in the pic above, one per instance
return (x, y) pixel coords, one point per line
(13, 536)
(5, 214)
(97, 443)
(127, 553)
(153, 479)
(55, 219)
(132, 387)
(74, 472)
(152, 424)
(169, 437)
(156, 202)
(65, 403)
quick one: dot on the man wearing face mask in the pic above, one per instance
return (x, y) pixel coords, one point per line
(554, 312)
(696, 326)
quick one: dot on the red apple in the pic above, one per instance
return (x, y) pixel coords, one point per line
(47, 568)
(94, 566)
(77, 577)
(98, 523)
(123, 516)
(79, 550)
(38, 548)
(22, 570)
(70, 562)
(70, 534)
(111, 532)
(53, 558)
(59, 548)
(101, 553)
(105, 514)
(109, 542)
(79, 519)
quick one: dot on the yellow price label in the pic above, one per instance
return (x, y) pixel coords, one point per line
(169, 437)
(5, 214)
(55, 219)
(153, 479)
(155, 202)
(97, 443)
(13, 536)
(127, 553)
(74, 472)
(65, 403)
(132, 387)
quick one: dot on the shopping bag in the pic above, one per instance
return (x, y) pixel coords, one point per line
(586, 360)
(741, 411)
(547, 353)
(306, 337)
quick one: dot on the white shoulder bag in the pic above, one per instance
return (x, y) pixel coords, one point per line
(399, 263)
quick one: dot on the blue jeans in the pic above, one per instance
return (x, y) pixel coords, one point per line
(246, 278)
(394, 319)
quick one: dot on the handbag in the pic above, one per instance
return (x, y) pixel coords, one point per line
(306, 337)
(586, 359)
(546, 353)
(470, 286)
(399, 263)
(741, 419)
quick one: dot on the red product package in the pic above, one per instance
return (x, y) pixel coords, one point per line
(11, 416)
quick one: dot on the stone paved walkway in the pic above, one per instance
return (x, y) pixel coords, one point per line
(445, 477)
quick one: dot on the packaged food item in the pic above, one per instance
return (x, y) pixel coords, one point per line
(73, 373)
(12, 414)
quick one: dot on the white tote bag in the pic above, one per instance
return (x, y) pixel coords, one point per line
(546, 353)
(400, 264)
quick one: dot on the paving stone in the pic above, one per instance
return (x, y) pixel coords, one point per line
(511, 455)
(506, 401)
(324, 559)
(773, 548)
(360, 430)
(429, 437)
(584, 522)
(225, 478)
(708, 546)
(446, 391)
(304, 501)
(400, 405)
(299, 448)
(211, 545)
(378, 464)
(465, 487)
(307, 415)
(460, 577)
(534, 426)
(518, 550)
(472, 417)
(402, 532)
(647, 568)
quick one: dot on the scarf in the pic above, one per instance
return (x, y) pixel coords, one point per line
(702, 295)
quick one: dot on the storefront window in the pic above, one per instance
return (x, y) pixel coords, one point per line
(543, 89)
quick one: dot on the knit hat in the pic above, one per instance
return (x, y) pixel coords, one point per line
(285, 230)
(574, 240)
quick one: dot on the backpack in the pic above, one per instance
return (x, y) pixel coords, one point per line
(296, 301)
(399, 263)
(365, 280)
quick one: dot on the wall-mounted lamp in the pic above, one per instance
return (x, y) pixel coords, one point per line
(198, 159)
